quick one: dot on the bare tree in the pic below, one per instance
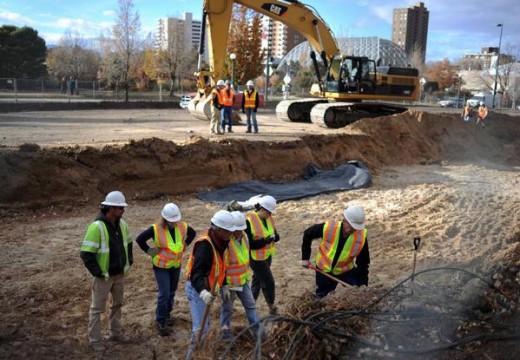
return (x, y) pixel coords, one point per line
(71, 58)
(122, 46)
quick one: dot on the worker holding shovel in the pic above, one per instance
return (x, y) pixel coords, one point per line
(343, 256)
(205, 272)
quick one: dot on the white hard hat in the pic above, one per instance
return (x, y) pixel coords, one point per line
(115, 198)
(355, 215)
(240, 220)
(221, 83)
(171, 212)
(481, 103)
(269, 203)
(228, 82)
(224, 220)
(250, 83)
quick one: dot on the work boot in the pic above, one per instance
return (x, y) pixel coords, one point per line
(273, 310)
(123, 339)
(169, 322)
(96, 346)
(162, 329)
(248, 131)
(230, 130)
(256, 131)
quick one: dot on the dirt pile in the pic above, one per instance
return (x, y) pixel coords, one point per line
(152, 168)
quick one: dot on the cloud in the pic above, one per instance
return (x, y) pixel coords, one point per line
(108, 13)
(15, 18)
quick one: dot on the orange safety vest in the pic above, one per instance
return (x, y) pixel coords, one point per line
(218, 268)
(227, 99)
(236, 258)
(250, 100)
(260, 231)
(219, 97)
(329, 246)
(171, 251)
(482, 111)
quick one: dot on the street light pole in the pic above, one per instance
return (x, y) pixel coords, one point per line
(458, 91)
(501, 26)
(232, 56)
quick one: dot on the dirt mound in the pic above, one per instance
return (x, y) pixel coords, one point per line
(151, 168)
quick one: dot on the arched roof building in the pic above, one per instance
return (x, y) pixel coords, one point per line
(372, 47)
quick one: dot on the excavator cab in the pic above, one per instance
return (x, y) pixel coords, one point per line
(352, 75)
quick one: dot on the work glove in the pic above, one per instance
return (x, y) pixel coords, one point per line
(233, 205)
(206, 296)
(306, 263)
(153, 251)
(226, 294)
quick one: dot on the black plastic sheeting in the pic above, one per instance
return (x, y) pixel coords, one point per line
(349, 176)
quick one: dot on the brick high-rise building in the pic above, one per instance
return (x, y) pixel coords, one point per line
(282, 37)
(187, 31)
(410, 29)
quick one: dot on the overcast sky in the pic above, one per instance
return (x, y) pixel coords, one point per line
(456, 27)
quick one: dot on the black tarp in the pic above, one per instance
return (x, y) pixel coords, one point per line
(352, 175)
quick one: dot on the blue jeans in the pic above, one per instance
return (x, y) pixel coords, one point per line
(226, 117)
(251, 119)
(167, 282)
(197, 307)
(248, 301)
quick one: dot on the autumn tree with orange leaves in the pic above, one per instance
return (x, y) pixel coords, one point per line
(245, 35)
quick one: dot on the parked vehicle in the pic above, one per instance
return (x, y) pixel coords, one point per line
(451, 102)
(486, 98)
(185, 100)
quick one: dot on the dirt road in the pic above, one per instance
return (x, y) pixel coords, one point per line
(457, 188)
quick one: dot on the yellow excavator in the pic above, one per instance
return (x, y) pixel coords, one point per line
(352, 87)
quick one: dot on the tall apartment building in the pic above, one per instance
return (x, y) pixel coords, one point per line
(187, 30)
(282, 38)
(410, 29)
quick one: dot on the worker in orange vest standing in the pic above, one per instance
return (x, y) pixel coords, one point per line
(482, 114)
(216, 108)
(228, 98)
(250, 106)
(170, 237)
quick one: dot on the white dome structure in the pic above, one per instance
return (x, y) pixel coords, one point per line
(385, 51)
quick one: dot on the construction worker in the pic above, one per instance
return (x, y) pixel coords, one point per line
(170, 238)
(343, 251)
(205, 271)
(106, 252)
(216, 107)
(238, 275)
(250, 106)
(482, 114)
(467, 112)
(228, 98)
(262, 234)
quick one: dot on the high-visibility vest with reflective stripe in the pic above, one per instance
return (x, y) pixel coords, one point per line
(171, 251)
(218, 268)
(227, 100)
(260, 231)
(250, 100)
(329, 246)
(237, 262)
(97, 240)
(219, 97)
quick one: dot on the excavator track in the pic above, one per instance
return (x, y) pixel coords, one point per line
(340, 114)
(297, 110)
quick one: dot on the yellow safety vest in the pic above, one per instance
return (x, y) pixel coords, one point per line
(236, 258)
(97, 240)
(260, 231)
(171, 251)
(218, 268)
(250, 100)
(329, 246)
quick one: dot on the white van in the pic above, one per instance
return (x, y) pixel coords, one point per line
(486, 98)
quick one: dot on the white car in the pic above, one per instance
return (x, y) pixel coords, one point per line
(185, 100)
